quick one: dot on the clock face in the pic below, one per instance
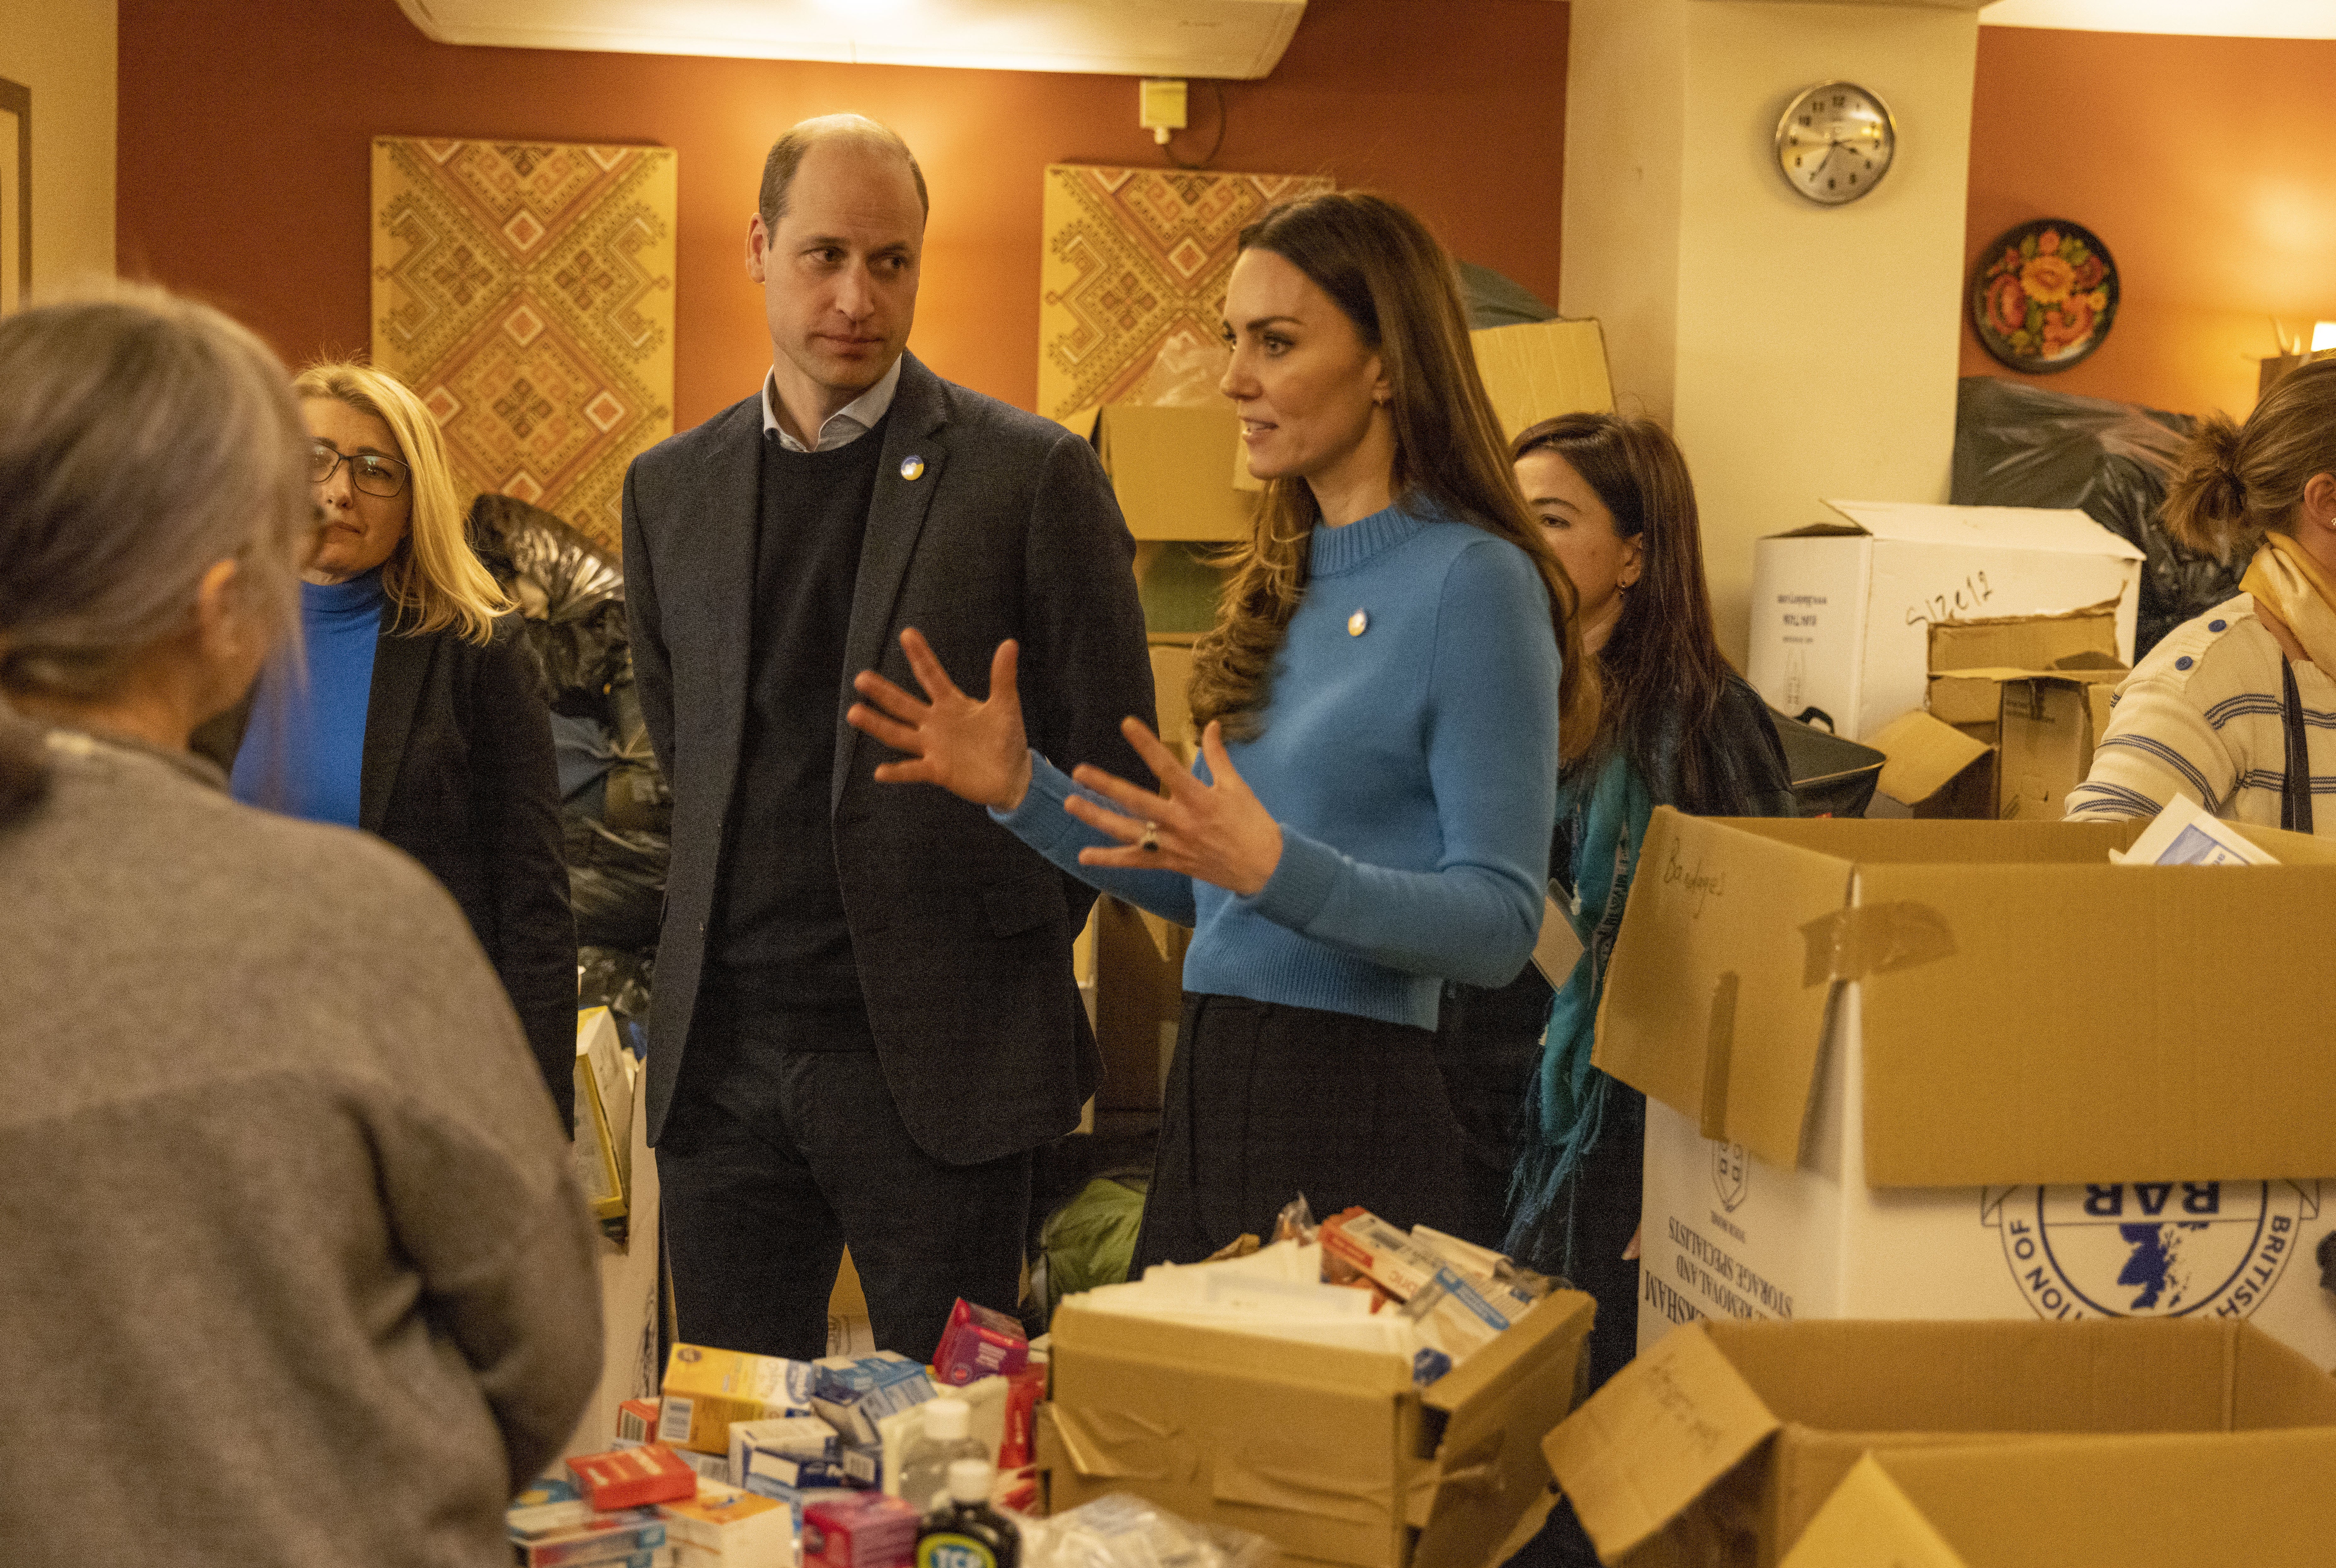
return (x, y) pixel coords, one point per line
(1835, 142)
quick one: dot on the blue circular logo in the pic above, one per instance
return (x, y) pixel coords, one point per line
(2152, 1249)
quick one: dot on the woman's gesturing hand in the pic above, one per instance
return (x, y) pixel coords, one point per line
(974, 750)
(1219, 831)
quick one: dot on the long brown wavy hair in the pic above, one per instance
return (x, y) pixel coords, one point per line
(1381, 268)
(1661, 672)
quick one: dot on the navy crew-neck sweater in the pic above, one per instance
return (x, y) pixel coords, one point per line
(303, 753)
(779, 939)
(1409, 752)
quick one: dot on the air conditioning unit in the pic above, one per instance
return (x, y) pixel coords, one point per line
(1228, 39)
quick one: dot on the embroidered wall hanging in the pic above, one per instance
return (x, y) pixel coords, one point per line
(525, 291)
(1131, 278)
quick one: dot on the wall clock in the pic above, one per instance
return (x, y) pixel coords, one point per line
(1835, 142)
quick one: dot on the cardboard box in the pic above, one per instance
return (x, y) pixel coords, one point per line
(2049, 725)
(1933, 769)
(1139, 1000)
(1542, 369)
(1334, 1455)
(1172, 686)
(2256, 1497)
(1170, 468)
(1951, 1070)
(1842, 611)
(602, 1146)
(1723, 1444)
(631, 1356)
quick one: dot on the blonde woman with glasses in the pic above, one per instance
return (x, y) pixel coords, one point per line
(421, 717)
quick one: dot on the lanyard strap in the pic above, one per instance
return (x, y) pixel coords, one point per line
(2295, 790)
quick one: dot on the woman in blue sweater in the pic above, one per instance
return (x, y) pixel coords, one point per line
(1381, 702)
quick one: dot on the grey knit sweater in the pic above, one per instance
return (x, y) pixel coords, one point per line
(295, 1273)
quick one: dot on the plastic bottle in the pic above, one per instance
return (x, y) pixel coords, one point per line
(944, 1436)
(964, 1530)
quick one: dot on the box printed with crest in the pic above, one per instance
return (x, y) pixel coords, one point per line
(1970, 1070)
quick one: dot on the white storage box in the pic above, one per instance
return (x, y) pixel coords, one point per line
(1841, 611)
(1956, 1069)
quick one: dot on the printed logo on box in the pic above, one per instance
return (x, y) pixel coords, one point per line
(1731, 1173)
(2149, 1249)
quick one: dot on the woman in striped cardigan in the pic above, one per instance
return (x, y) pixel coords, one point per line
(2237, 709)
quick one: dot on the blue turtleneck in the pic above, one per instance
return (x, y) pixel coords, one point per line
(1409, 754)
(304, 751)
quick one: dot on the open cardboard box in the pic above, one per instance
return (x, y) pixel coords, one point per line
(1334, 1454)
(2252, 1498)
(1844, 612)
(1724, 1443)
(1954, 1069)
(2015, 707)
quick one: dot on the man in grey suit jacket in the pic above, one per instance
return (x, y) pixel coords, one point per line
(864, 1017)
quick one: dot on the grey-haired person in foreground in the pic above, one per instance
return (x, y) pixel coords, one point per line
(296, 1273)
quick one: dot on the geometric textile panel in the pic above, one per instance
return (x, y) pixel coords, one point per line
(1132, 282)
(525, 291)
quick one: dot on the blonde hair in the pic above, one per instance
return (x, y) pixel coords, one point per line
(1386, 273)
(435, 579)
(143, 439)
(2232, 483)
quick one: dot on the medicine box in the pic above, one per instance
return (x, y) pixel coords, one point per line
(706, 1389)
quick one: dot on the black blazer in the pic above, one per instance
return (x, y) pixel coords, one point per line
(962, 935)
(459, 773)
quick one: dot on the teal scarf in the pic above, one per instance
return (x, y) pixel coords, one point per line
(1609, 805)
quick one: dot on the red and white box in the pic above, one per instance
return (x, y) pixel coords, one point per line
(979, 1342)
(633, 1478)
(859, 1530)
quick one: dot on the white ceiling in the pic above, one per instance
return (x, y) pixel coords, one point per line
(2213, 18)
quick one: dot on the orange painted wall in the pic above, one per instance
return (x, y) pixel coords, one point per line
(245, 138)
(2208, 168)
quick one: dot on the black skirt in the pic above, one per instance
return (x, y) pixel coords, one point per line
(1266, 1102)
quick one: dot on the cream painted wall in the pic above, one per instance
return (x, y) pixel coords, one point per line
(1813, 352)
(64, 50)
(1625, 134)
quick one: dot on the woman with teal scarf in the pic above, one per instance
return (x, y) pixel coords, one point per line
(1679, 727)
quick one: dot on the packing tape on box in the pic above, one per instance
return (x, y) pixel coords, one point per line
(1873, 940)
(1259, 1469)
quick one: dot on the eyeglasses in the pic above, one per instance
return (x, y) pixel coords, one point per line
(371, 472)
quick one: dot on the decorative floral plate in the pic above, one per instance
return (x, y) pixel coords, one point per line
(2044, 295)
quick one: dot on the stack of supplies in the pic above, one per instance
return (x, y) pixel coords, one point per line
(1359, 1284)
